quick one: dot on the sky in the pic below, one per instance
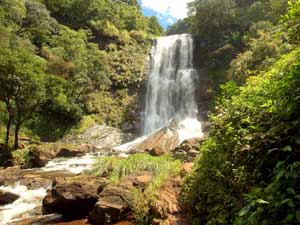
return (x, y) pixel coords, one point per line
(167, 11)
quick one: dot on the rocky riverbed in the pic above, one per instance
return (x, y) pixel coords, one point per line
(60, 190)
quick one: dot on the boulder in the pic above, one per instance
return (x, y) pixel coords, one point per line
(75, 151)
(35, 182)
(41, 155)
(113, 204)
(161, 141)
(156, 151)
(73, 197)
(101, 136)
(7, 197)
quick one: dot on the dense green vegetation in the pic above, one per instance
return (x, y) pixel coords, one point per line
(248, 170)
(61, 60)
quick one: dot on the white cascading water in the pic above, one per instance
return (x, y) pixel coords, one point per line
(170, 91)
(171, 87)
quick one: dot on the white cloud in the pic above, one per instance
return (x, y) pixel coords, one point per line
(174, 8)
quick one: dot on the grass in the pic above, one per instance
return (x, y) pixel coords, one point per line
(85, 123)
(115, 169)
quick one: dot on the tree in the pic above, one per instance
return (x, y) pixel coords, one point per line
(180, 27)
(22, 87)
(292, 22)
(212, 18)
(37, 23)
(154, 27)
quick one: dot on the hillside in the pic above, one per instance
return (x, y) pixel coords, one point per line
(86, 61)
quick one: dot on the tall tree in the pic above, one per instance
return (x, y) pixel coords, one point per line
(22, 87)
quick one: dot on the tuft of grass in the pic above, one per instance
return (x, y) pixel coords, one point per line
(21, 156)
(116, 168)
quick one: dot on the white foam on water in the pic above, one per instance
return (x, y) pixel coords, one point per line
(124, 148)
(28, 201)
(189, 128)
(74, 165)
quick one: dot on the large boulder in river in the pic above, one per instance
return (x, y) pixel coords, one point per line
(7, 197)
(73, 197)
(41, 155)
(100, 136)
(158, 143)
(113, 204)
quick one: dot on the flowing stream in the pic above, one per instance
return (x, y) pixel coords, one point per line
(30, 200)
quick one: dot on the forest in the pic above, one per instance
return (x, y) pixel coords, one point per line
(58, 57)
(67, 65)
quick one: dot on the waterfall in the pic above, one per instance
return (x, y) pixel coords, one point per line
(170, 87)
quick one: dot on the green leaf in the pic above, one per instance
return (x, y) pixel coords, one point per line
(298, 215)
(287, 148)
(261, 201)
(291, 191)
(297, 197)
(244, 210)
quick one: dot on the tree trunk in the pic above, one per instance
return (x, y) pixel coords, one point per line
(16, 145)
(8, 125)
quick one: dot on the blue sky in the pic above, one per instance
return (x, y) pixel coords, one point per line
(167, 11)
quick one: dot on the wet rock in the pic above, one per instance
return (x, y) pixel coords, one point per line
(157, 151)
(113, 204)
(193, 153)
(163, 140)
(46, 219)
(73, 197)
(194, 142)
(41, 155)
(7, 197)
(186, 147)
(180, 152)
(2, 180)
(75, 151)
(35, 182)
